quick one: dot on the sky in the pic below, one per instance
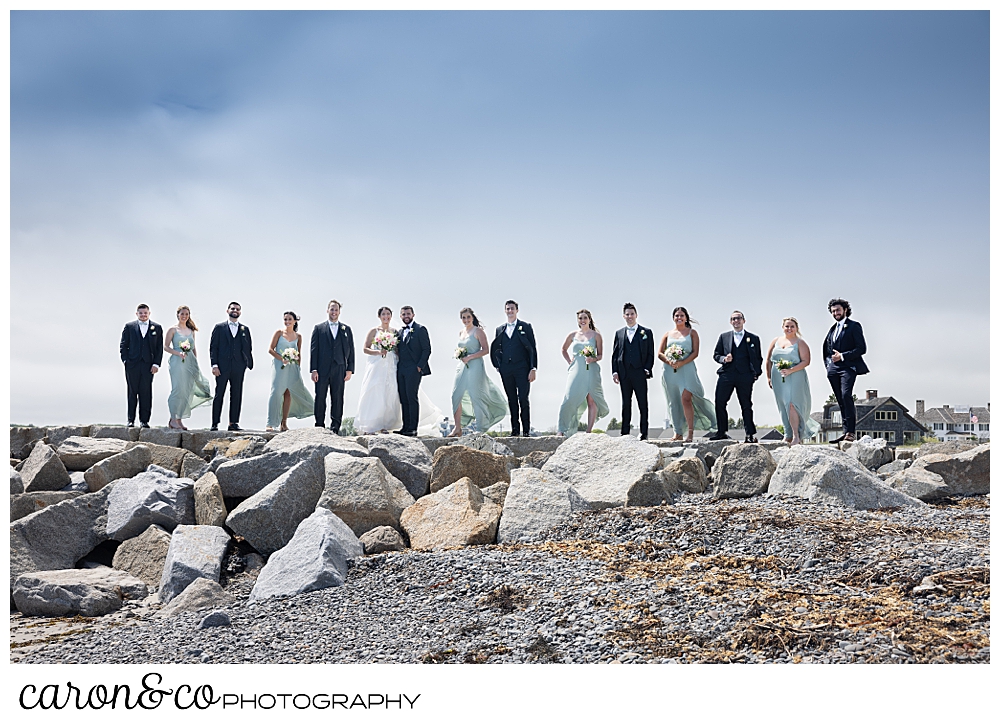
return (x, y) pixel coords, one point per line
(761, 161)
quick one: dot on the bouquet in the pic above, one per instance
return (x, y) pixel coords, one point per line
(676, 353)
(588, 351)
(385, 341)
(461, 352)
(289, 355)
(784, 364)
(185, 347)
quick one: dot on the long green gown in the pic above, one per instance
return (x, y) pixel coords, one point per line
(793, 391)
(289, 378)
(188, 387)
(478, 396)
(686, 378)
(580, 382)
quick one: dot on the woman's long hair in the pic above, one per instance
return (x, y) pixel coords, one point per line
(590, 318)
(475, 319)
(687, 317)
(798, 332)
(295, 317)
(190, 322)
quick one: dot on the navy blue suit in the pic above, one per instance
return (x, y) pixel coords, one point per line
(515, 357)
(139, 355)
(851, 345)
(414, 352)
(633, 363)
(233, 356)
(331, 359)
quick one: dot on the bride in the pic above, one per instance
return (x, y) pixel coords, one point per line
(379, 409)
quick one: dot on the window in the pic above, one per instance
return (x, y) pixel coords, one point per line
(836, 416)
(939, 426)
(886, 415)
(967, 427)
(911, 436)
(887, 435)
(984, 428)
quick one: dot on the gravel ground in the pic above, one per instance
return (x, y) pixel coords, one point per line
(761, 580)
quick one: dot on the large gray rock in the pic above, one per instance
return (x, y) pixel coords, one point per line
(123, 465)
(827, 475)
(524, 446)
(605, 469)
(920, 483)
(209, 505)
(944, 448)
(460, 515)
(268, 520)
(872, 453)
(194, 441)
(149, 498)
(43, 470)
(536, 501)
(16, 482)
(936, 475)
(200, 595)
(27, 503)
(692, 475)
(192, 466)
(708, 451)
(484, 443)
(75, 592)
(55, 436)
(896, 466)
(114, 432)
(306, 441)
(160, 436)
(454, 462)
(382, 540)
(59, 535)
(196, 551)
(164, 456)
(79, 453)
(406, 459)
(536, 459)
(78, 483)
(362, 493)
(315, 558)
(145, 555)
(23, 438)
(742, 471)
(497, 492)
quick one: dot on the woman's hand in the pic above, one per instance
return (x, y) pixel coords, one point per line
(769, 382)
(785, 373)
(383, 354)
(591, 360)
(182, 355)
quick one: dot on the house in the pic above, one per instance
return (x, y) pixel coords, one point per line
(949, 423)
(878, 416)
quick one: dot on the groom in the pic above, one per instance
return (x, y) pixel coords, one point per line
(842, 350)
(231, 355)
(514, 355)
(414, 352)
(739, 354)
(632, 367)
(331, 360)
(142, 351)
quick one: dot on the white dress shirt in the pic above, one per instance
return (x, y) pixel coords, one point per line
(334, 328)
(143, 328)
(510, 328)
(406, 331)
(234, 327)
(738, 338)
(630, 332)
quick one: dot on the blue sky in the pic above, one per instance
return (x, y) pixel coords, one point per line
(760, 160)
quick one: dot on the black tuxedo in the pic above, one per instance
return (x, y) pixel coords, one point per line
(514, 357)
(633, 363)
(233, 356)
(331, 359)
(739, 375)
(139, 355)
(414, 352)
(851, 345)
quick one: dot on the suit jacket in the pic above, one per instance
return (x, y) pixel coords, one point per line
(519, 348)
(224, 346)
(851, 345)
(725, 347)
(133, 344)
(415, 350)
(325, 351)
(644, 335)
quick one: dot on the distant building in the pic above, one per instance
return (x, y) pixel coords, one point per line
(882, 417)
(949, 423)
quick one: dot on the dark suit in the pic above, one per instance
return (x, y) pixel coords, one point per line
(233, 356)
(514, 357)
(139, 355)
(850, 344)
(633, 363)
(414, 352)
(331, 359)
(739, 375)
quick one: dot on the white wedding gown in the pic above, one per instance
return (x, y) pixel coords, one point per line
(379, 407)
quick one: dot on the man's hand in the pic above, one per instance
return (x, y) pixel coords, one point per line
(615, 377)
(215, 371)
(420, 369)
(154, 369)
(315, 376)
(837, 356)
(531, 376)
(728, 358)
(347, 377)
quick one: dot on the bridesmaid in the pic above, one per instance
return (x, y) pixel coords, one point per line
(289, 397)
(474, 394)
(685, 396)
(583, 385)
(791, 392)
(188, 387)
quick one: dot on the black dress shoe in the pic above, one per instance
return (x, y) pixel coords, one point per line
(234, 427)
(214, 428)
(839, 439)
(750, 438)
(319, 424)
(720, 436)
(131, 423)
(643, 437)
(144, 424)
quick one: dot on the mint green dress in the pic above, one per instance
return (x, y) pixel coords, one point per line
(289, 378)
(793, 391)
(477, 395)
(686, 378)
(188, 387)
(580, 382)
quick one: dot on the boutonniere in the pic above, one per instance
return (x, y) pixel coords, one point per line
(644, 334)
(154, 331)
(520, 329)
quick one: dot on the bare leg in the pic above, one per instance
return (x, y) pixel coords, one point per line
(793, 419)
(688, 414)
(457, 432)
(285, 407)
(591, 413)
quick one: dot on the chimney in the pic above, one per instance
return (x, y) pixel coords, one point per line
(871, 394)
(920, 407)
(946, 407)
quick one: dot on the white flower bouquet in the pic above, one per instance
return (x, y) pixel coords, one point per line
(185, 347)
(676, 353)
(784, 364)
(385, 341)
(289, 355)
(588, 352)
(461, 353)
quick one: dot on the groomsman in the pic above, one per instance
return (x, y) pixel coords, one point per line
(739, 354)
(414, 352)
(842, 350)
(631, 367)
(142, 351)
(331, 359)
(514, 355)
(232, 355)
